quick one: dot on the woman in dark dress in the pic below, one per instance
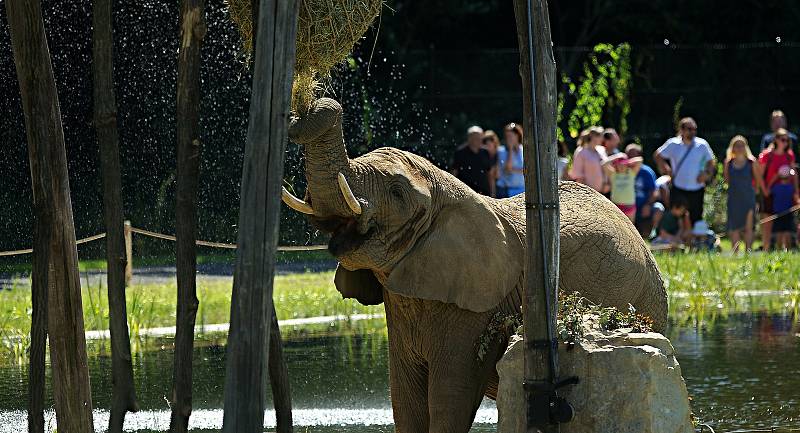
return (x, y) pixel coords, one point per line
(743, 176)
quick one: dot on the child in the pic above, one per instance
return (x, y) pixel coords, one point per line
(675, 226)
(784, 195)
(622, 172)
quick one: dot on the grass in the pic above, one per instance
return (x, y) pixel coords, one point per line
(153, 305)
(700, 286)
(705, 286)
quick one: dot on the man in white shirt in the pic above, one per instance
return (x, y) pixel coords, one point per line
(691, 166)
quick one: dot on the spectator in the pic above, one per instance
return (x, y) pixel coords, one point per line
(509, 159)
(742, 173)
(663, 185)
(472, 164)
(777, 154)
(491, 142)
(646, 192)
(691, 166)
(611, 141)
(675, 227)
(622, 173)
(587, 164)
(784, 196)
(777, 120)
(563, 160)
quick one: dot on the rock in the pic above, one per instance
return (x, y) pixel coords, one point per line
(629, 383)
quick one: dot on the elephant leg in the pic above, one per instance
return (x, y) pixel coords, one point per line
(409, 388)
(457, 383)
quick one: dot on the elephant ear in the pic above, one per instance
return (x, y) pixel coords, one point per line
(470, 257)
(360, 285)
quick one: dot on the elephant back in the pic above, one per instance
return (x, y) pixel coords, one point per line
(602, 256)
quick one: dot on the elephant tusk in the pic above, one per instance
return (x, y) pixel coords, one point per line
(295, 203)
(352, 203)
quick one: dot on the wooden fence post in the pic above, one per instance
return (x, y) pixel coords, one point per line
(55, 254)
(123, 392)
(128, 233)
(538, 73)
(259, 206)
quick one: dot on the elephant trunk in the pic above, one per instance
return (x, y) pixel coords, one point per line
(320, 133)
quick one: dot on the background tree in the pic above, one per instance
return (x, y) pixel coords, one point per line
(192, 32)
(56, 252)
(105, 121)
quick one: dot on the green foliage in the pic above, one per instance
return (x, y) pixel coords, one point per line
(716, 202)
(602, 95)
(501, 325)
(676, 112)
(574, 310)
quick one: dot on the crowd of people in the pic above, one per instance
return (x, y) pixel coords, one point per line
(667, 209)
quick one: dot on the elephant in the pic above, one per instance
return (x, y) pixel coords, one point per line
(445, 260)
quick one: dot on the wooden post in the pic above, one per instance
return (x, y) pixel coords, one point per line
(36, 370)
(193, 28)
(279, 379)
(251, 306)
(56, 255)
(541, 202)
(123, 393)
(128, 234)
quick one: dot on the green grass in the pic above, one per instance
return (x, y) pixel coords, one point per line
(700, 286)
(705, 286)
(153, 305)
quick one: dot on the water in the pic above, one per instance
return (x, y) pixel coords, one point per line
(742, 372)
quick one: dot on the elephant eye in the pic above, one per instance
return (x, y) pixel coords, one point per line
(396, 192)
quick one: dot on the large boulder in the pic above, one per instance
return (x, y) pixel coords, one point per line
(629, 383)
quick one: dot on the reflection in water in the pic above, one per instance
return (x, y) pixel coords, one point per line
(741, 372)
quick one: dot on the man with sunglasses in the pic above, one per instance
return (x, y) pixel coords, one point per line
(777, 120)
(688, 159)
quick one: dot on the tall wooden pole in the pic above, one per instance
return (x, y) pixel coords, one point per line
(123, 393)
(541, 203)
(36, 369)
(192, 32)
(251, 306)
(279, 379)
(55, 252)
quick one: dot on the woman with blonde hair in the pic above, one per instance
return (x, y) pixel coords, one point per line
(742, 172)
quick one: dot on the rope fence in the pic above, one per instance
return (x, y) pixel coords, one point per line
(30, 250)
(131, 229)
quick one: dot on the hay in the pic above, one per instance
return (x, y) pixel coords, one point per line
(327, 30)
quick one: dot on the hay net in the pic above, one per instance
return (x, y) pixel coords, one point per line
(327, 31)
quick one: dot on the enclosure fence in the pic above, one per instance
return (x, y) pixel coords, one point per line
(129, 230)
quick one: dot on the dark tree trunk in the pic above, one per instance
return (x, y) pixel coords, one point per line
(279, 379)
(192, 25)
(251, 306)
(541, 197)
(56, 256)
(123, 393)
(36, 370)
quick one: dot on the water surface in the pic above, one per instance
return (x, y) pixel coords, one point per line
(742, 372)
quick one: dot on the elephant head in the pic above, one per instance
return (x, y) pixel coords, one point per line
(399, 222)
